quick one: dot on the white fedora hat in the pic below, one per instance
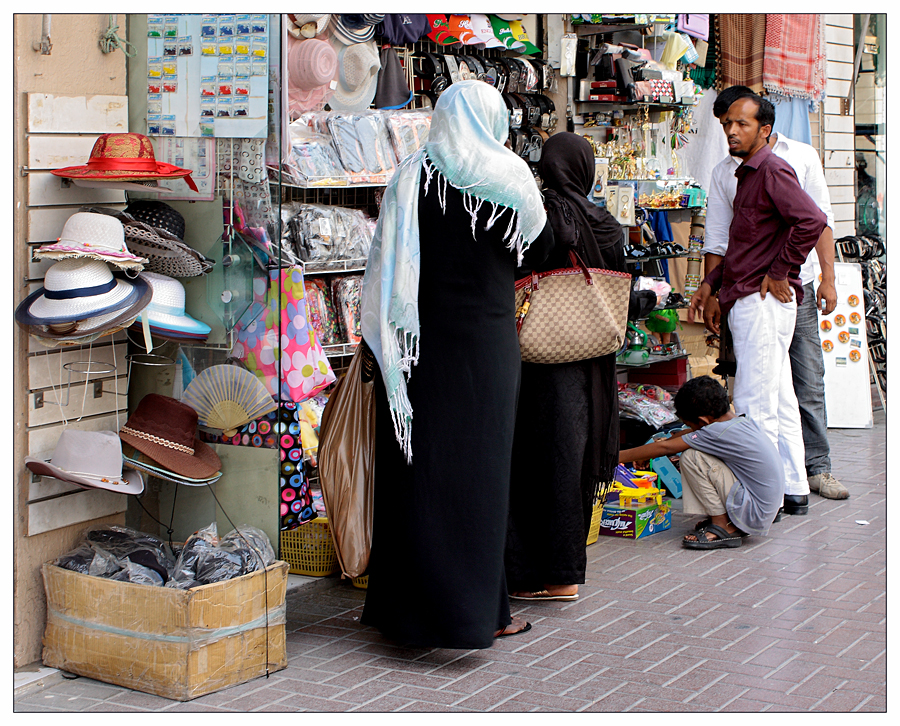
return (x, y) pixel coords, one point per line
(357, 77)
(97, 236)
(76, 289)
(90, 459)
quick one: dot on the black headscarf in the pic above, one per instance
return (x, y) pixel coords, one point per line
(567, 171)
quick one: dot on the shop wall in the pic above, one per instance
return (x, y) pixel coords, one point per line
(76, 66)
(839, 129)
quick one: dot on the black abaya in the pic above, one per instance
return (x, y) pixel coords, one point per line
(567, 426)
(436, 572)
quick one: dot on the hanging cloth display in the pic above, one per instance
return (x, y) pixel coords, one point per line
(704, 75)
(740, 41)
(792, 117)
(794, 56)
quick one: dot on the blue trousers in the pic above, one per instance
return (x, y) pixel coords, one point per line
(807, 371)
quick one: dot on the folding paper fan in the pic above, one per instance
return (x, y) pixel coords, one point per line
(227, 396)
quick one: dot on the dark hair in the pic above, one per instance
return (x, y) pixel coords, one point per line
(765, 111)
(702, 396)
(728, 96)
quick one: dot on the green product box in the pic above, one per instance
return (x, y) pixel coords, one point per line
(636, 521)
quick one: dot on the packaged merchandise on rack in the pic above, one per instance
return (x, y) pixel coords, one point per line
(652, 411)
(409, 130)
(321, 233)
(314, 161)
(346, 291)
(364, 145)
(321, 311)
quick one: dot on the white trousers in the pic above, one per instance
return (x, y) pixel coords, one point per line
(762, 331)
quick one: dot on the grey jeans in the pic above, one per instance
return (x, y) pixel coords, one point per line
(808, 371)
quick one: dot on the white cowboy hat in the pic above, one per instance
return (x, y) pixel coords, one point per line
(90, 459)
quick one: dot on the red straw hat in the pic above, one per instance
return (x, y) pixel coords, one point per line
(125, 156)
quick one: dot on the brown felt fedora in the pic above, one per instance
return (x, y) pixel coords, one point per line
(166, 430)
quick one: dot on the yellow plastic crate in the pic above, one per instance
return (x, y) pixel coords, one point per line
(594, 531)
(362, 582)
(309, 549)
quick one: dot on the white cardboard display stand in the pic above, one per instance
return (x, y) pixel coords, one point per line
(848, 393)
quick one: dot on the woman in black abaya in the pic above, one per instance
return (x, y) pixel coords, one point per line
(438, 311)
(566, 441)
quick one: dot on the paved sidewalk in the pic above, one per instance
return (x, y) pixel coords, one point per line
(795, 621)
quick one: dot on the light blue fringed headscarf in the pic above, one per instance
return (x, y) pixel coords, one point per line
(465, 149)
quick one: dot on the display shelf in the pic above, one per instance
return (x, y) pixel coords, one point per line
(339, 349)
(651, 360)
(670, 106)
(588, 30)
(354, 265)
(328, 182)
(653, 258)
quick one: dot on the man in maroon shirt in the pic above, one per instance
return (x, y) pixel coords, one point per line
(775, 226)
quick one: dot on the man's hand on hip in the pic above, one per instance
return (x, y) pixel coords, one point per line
(781, 289)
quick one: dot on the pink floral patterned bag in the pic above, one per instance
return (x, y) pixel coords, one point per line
(305, 369)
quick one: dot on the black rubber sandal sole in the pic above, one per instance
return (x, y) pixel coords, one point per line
(725, 540)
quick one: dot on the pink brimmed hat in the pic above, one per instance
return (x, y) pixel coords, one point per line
(311, 65)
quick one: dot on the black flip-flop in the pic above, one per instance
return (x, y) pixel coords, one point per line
(518, 632)
(725, 539)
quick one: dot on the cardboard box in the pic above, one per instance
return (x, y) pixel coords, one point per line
(179, 644)
(634, 522)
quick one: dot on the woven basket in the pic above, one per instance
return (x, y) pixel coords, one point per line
(309, 549)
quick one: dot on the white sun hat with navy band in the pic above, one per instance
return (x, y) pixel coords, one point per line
(78, 289)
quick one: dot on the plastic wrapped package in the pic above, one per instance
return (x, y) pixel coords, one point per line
(660, 287)
(252, 544)
(353, 237)
(408, 130)
(650, 411)
(321, 312)
(321, 233)
(364, 146)
(314, 161)
(139, 575)
(345, 292)
(205, 558)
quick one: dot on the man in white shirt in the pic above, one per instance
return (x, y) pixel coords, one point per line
(807, 363)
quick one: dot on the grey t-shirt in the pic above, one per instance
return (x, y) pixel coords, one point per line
(758, 493)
